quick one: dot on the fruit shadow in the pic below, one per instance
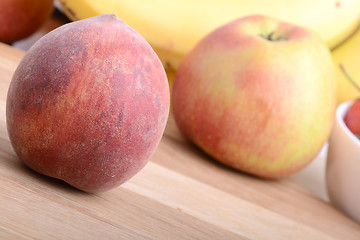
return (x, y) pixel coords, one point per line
(32, 179)
(188, 158)
(217, 164)
(52, 182)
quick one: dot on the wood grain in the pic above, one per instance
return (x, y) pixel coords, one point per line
(180, 194)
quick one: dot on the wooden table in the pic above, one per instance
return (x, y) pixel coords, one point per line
(180, 194)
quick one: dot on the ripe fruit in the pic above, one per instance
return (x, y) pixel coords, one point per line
(88, 104)
(258, 95)
(21, 18)
(174, 27)
(352, 118)
(352, 115)
(347, 55)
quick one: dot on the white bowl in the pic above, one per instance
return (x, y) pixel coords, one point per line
(343, 167)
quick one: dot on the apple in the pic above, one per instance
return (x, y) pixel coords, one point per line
(20, 18)
(88, 104)
(257, 94)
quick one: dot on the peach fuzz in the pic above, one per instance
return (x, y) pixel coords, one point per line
(88, 104)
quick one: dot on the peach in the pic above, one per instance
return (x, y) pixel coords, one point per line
(20, 18)
(88, 104)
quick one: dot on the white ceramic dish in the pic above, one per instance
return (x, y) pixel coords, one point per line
(343, 167)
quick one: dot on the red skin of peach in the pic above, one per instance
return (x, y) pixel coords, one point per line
(20, 18)
(352, 118)
(88, 104)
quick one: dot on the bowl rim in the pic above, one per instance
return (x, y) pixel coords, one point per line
(340, 114)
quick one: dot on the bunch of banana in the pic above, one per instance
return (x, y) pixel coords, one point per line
(348, 55)
(174, 27)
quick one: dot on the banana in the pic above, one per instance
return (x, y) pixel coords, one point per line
(174, 27)
(170, 73)
(348, 55)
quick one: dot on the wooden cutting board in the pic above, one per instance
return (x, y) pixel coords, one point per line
(180, 194)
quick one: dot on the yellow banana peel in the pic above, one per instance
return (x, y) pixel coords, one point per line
(174, 27)
(348, 55)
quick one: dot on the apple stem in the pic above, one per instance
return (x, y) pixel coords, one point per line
(349, 77)
(270, 37)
